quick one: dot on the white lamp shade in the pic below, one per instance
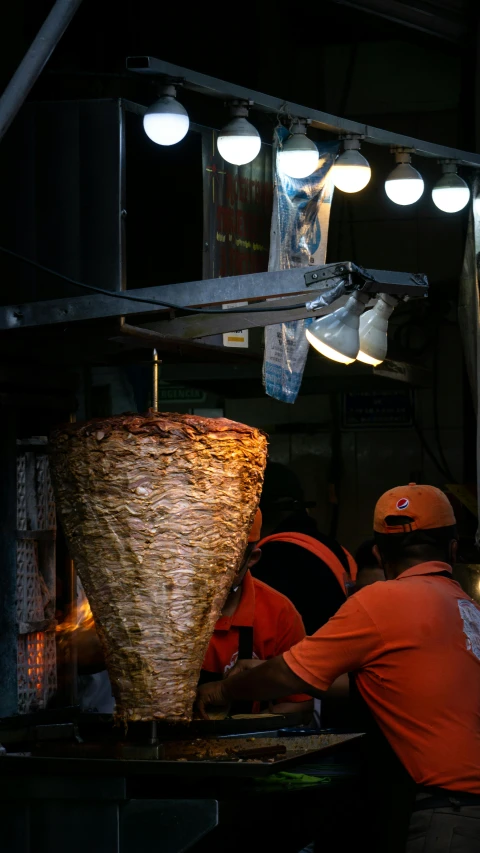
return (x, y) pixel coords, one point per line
(451, 193)
(404, 185)
(166, 121)
(336, 335)
(299, 156)
(351, 172)
(373, 331)
(239, 142)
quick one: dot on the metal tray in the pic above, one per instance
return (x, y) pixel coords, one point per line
(24, 764)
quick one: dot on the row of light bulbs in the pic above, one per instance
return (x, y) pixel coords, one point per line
(166, 122)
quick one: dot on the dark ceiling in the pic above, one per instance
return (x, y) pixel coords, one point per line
(447, 19)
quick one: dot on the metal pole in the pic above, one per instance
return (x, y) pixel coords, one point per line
(35, 60)
(155, 381)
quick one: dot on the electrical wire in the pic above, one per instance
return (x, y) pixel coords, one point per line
(247, 309)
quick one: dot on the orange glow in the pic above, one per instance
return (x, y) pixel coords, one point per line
(80, 619)
(36, 660)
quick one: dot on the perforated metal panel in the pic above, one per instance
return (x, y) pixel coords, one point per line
(36, 650)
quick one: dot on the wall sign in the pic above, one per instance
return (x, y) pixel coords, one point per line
(180, 394)
(237, 211)
(366, 409)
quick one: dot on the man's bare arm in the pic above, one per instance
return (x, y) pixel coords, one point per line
(270, 680)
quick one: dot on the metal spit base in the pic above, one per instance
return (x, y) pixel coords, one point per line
(95, 815)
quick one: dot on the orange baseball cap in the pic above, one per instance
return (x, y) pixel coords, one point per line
(256, 531)
(425, 507)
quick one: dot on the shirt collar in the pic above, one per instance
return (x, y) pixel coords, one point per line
(432, 568)
(245, 612)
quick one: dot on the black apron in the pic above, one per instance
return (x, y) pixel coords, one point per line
(245, 652)
(388, 790)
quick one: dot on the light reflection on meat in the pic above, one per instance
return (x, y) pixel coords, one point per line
(157, 511)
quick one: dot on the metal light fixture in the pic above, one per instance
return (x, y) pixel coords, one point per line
(373, 330)
(404, 185)
(166, 122)
(239, 142)
(336, 335)
(351, 171)
(298, 156)
(450, 193)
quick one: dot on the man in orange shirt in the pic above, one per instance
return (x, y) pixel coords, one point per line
(257, 622)
(413, 644)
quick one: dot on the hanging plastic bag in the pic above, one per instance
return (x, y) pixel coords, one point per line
(298, 238)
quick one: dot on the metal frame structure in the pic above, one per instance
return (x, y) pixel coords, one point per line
(35, 60)
(213, 87)
(295, 289)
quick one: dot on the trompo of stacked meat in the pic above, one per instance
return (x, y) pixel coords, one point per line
(157, 509)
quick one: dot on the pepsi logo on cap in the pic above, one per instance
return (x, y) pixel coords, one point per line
(403, 503)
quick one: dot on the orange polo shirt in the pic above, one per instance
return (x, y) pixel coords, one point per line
(414, 645)
(276, 624)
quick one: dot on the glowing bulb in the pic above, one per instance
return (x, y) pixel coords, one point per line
(327, 351)
(166, 122)
(367, 359)
(351, 171)
(298, 158)
(450, 193)
(373, 331)
(239, 141)
(336, 335)
(404, 185)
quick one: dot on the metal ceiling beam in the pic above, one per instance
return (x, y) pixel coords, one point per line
(305, 281)
(214, 87)
(35, 60)
(431, 18)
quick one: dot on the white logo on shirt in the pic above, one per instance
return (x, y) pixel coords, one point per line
(233, 661)
(471, 626)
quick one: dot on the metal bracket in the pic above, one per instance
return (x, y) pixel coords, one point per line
(324, 273)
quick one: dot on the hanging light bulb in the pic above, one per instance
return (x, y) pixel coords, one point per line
(404, 185)
(450, 193)
(298, 156)
(239, 142)
(351, 171)
(336, 335)
(373, 330)
(166, 122)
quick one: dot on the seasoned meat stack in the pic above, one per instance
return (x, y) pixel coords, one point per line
(157, 509)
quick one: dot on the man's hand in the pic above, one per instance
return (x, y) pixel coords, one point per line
(242, 666)
(212, 693)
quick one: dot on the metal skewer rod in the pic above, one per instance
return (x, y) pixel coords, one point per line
(155, 381)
